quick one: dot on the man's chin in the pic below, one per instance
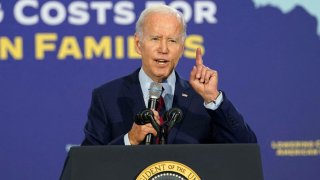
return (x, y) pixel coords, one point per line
(161, 77)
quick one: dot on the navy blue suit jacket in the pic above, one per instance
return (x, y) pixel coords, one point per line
(115, 104)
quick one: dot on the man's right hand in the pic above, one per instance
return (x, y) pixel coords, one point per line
(138, 133)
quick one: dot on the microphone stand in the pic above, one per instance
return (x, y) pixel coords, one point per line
(171, 117)
(163, 135)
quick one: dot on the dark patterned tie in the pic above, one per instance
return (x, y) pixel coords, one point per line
(161, 109)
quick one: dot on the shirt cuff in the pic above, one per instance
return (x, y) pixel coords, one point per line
(215, 104)
(126, 140)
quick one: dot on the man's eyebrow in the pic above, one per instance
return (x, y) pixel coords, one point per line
(176, 38)
(154, 35)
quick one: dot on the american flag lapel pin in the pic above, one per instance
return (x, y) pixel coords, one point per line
(184, 95)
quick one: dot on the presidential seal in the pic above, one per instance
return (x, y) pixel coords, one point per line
(168, 170)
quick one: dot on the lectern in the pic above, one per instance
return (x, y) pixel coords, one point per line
(207, 162)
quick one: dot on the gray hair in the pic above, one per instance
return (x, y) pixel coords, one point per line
(160, 9)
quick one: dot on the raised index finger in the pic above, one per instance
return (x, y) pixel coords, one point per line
(198, 57)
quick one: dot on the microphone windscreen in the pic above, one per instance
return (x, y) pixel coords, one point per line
(143, 117)
(155, 90)
(174, 115)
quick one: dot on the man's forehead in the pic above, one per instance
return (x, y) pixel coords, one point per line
(157, 26)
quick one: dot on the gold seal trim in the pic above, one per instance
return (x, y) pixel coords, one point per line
(167, 166)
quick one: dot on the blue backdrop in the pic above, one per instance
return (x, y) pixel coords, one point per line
(53, 53)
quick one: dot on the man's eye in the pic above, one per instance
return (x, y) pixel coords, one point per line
(172, 41)
(154, 39)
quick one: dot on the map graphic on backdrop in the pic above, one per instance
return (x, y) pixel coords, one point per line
(266, 51)
(311, 6)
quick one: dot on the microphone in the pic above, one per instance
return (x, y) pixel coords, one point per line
(172, 117)
(145, 117)
(155, 91)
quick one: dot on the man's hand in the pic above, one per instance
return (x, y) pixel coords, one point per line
(138, 132)
(204, 80)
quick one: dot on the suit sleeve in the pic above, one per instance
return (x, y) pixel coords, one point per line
(229, 125)
(98, 129)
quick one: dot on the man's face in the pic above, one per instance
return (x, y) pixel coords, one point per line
(160, 46)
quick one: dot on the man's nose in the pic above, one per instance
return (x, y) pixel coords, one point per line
(163, 47)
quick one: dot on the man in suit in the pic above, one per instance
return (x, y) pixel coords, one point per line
(208, 116)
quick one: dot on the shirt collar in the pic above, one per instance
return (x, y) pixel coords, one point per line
(145, 81)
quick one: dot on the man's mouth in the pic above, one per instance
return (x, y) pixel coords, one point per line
(161, 61)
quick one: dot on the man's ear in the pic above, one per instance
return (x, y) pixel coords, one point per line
(137, 43)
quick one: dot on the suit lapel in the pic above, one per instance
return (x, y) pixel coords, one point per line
(133, 101)
(182, 99)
